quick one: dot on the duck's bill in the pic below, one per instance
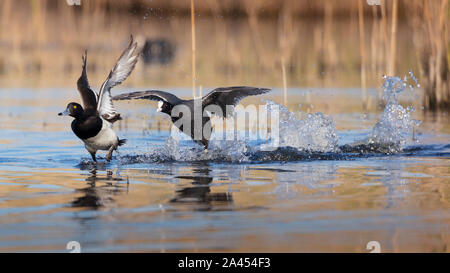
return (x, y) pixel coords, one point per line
(65, 113)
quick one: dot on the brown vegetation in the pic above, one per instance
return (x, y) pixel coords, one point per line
(283, 43)
(430, 20)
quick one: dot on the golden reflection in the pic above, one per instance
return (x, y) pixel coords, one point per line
(306, 200)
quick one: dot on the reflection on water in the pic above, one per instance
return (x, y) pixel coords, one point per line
(51, 194)
(95, 197)
(199, 193)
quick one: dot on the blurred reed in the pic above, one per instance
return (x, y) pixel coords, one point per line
(431, 19)
(266, 42)
(194, 75)
(362, 48)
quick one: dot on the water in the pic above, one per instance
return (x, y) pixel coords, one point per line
(340, 179)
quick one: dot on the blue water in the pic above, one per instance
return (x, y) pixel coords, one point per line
(248, 200)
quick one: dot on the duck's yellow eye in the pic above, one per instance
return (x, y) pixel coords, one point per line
(74, 107)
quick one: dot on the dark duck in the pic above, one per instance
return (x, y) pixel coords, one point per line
(93, 121)
(223, 98)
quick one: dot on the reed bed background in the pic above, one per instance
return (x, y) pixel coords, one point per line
(276, 43)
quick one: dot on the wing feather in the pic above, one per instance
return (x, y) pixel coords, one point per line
(224, 96)
(88, 97)
(119, 73)
(155, 95)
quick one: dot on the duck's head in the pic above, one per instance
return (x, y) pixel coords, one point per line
(73, 109)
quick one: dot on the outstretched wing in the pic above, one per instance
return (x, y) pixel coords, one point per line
(87, 95)
(118, 74)
(224, 96)
(149, 95)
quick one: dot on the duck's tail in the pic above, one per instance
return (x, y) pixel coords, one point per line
(122, 141)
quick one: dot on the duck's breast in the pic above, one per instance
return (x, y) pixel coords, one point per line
(105, 138)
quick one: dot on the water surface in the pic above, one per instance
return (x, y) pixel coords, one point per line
(162, 196)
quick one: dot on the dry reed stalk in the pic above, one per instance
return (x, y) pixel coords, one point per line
(193, 47)
(447, 38)
(283, 71)
(393, 48)
(285, 43)
(384, 30)
(434, 62)
(373, 41)
(252, 14)
(362, 48)
(376, 48)
(381, 49)
(221, 40)
(443, 64)
(331, 59)
(6, 11)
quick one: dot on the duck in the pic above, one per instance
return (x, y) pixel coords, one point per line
(172, 106)
(93, 119)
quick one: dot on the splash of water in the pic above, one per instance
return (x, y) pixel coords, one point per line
(395, 124)
(180, 149)
(312, 138)
(315, 133)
